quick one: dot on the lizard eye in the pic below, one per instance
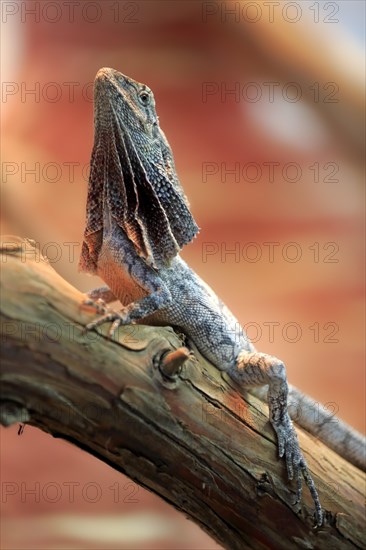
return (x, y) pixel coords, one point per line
(144, 98)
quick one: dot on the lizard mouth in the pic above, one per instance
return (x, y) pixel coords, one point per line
(111, 78)
(107, 73)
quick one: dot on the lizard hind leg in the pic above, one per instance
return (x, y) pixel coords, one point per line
(257, 369)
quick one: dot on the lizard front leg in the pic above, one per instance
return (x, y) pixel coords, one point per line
(102, 293)
(99, 298)
(157, 297)
(256, 369)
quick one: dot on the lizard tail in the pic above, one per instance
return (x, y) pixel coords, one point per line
(323, 423)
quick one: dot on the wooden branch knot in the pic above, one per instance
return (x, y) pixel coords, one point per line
(170, 363)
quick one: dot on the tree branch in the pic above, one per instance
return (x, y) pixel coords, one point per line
(186, 434)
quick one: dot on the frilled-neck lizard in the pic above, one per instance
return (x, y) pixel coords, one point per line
(138, 219)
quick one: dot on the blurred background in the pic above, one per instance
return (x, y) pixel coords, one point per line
(263, 105)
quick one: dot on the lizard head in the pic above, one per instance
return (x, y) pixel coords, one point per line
(132, 171)
(129, 106)
(133, 103)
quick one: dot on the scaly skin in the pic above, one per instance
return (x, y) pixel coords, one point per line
(138, 219)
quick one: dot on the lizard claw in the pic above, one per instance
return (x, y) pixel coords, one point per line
(118, 321)
(117, 318)
(99, 305)
(296, 466)
(106, 315)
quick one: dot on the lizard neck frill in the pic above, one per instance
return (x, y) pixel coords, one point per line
(133, 175)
